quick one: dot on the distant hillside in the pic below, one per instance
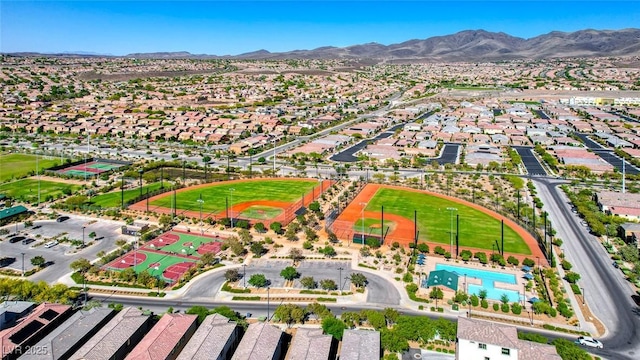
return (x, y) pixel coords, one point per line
(468, 45)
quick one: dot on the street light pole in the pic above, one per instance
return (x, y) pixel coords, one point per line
(22, 264)
(244, 275)
(83, 236)
(340, 279)
(451, 209)
(231, 207)
(268, 303)
(582, 289)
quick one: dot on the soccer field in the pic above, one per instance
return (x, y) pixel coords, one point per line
(477, 229)
(114, 198)
(215, 196)
(27, 189)
(14, 166)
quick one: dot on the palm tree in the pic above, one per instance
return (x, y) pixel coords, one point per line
(482, 294)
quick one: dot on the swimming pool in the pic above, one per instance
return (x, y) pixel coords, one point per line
(488, 278)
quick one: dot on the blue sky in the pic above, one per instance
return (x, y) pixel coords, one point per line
(234, 27)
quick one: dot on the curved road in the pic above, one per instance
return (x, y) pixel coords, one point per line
(607, 293)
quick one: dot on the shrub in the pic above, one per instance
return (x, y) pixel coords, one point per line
(439, 250)
(504, 308)
(496, 307)
(484, 304)
(516, 308)
(474, 300)
(528, 262)
(566, 265)
(572, 277)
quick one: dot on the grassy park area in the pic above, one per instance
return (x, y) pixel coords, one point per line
(27, 190)
(435, 221)
(114, 198)
(15, 166)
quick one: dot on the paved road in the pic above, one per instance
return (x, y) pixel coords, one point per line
(530, 161)
(347, 155)
(607, 293)
(589, 143)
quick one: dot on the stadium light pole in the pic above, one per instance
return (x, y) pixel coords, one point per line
(38, 173)
(231, 205)
(274, 156)
(140, 181)
(200, 201)
(156, 268)
(364, 205)
(451, 209)
(340, 279)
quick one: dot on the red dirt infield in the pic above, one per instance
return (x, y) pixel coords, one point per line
(128, 260)
(175, 271)
(404, 229)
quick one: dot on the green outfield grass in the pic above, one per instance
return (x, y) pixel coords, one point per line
(260, 212)
(14, 166)
(477, 229)
(164, 260)
(214, 196)
(372, 226)
(114, 199)
(184, 238)
(27, 190)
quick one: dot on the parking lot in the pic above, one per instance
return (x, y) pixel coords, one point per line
(60, 256)
(319, 270)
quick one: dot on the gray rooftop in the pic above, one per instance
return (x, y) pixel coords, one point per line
(17, 307)
(310, 344)
(260, 342)
(208, 342)
(529, 350)
(114, 335)
(78, 328)
(360, 345)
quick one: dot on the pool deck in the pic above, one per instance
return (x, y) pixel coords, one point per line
(431, 262)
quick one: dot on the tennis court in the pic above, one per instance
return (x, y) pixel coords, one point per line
(174, 242)
(91, 168)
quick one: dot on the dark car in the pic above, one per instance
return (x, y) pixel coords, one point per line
(15, 239)
(27, 241)
(36, 227)
(62, 218)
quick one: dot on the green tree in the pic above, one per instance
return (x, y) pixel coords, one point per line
(328, 251)
(38, 261)
(359, 280)
(257, 248)
(276, 227)
(201, 311)
(81, 265)
(334, 327)
(258, 280)
(260, 227)
(482, 294)
(513, 260)
(328, 284)
(232, 275)
(319, 310)
(296, 254)
(572, 277)
(393, 341)
(308, 282)
(569, 350)
(290, 314)
(436, 293)
(289, 273)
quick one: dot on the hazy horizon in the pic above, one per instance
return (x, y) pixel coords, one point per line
(234, 27)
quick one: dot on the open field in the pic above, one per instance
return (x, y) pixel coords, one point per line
(27, 189)
(260, 212)
(214, 196)
(14, 166)
(114, 198)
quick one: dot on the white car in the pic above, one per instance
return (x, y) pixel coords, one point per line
(589, 341)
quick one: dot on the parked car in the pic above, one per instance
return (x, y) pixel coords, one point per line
(15, 239)
(62, 218)
(589, 341)
(27, 241)
(36, 227)
(615, 264)
(51, 244)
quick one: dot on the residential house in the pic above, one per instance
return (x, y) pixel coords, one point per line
(311, 344)
(166, 339)
(215, 339)
(358, 344)
(262, 341)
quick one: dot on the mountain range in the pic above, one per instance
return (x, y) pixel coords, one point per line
(468, 45)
